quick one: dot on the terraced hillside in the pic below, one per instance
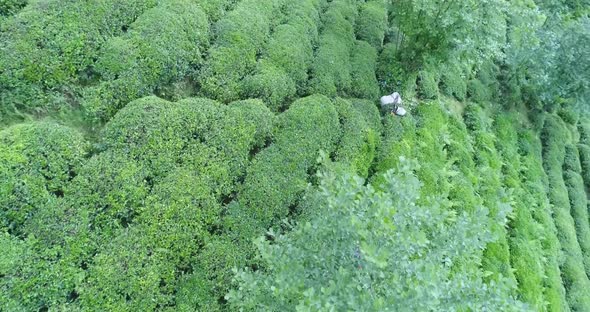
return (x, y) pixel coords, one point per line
(227, 155)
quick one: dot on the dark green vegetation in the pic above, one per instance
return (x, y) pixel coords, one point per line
(224, 155)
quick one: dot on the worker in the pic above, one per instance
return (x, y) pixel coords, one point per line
(393, 103)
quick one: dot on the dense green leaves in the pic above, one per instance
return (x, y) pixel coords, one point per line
(163, 46)
(279, 174)
(50, 46)
(281, 72)
(400, 258)
(573, 272)
(240, 34)
(37, 162)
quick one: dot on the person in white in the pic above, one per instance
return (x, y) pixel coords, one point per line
(393, 103)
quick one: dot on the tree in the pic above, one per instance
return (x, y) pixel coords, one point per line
(368, 250)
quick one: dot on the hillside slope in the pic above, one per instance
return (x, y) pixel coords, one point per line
(218, 155)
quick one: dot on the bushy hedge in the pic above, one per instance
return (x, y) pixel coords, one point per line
(398, 140)
(371, 23)
(453, 81)
(282, 70)
(367, 250)
(428, 84)
(162, 46)
(331, 69)
(51, 45)
(33, 276)
(573, 272)
(361, 134)
(38, 161)
(197, 132)
(535, 183)
(140, 267)
(524, 233)
(240, 36)
(578, 200)
(10, 7)
(584, 151)
(255, 113)
(279, 173)
(489, 164)
(364, 62)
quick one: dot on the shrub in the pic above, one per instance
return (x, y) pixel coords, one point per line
(453, 82)
(360, 138)
(364, 62)
(427, 85)
(254, 112)
(584, 151)
(282, 69)
(50, 45)
(271, 84)
(197, 132)
(330, 262)
(579, 212)
(38, 161)
(399, 140)
(331, 69)
(432, 134)
(10, 7)
(372, 23)
(526, 253)
(478, 92)
(162, 46)
(571, 161)
(489, 164)
(389, 72)
(216, 9)
(279, 173)
(139, 268)
(584, 130)
(573, 273)
(241, 34)
(32, 277)
(535, 183)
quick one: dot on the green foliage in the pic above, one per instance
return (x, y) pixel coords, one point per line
(216, 9)
(444, 31)
(399, 139)
(345, 260)
(51, 45)
(255, 113)
(536, 184)
(495, 197)
(390, 73)
(372, 23)
(32, 279)
(162, 46)
(578, 200)
(427, 85)
(453, 82)
(584, 130)
(331, 69)
(10, 7)
(573, 273)
(37, 162)
(360, 136)
(279, 174)
(526, 251)
(584, 151)
(364, 62)
(282, 70)
(240, 36)
(195, 132)
(139, 268)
